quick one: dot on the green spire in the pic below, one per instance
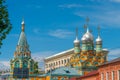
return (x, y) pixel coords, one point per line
(22, 43)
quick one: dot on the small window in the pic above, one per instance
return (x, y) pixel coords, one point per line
(113, 76)
(62, 61)
(118, 74)
(59, 62)
(102, 76)
(107, 76)
(65, 61)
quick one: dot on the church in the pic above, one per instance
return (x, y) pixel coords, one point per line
(88, 53)
(22, 65)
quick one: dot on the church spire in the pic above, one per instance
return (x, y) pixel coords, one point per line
(23, 25)
(22, 42)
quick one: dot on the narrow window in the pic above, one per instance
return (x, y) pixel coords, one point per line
(118, 74)
(113, 75)
(107, 76)
(102, 76)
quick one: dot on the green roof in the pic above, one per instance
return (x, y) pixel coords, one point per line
(64, 71)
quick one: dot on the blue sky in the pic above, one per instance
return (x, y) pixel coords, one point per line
(50, 25)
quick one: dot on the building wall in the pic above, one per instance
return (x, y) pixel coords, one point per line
(110, 71)
(57, 61)
(94, 77)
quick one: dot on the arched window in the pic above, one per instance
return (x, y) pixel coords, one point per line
(59, 62)
(17, 64)
(65, 61)
(56, 63)
(62, 61)
(25, 64)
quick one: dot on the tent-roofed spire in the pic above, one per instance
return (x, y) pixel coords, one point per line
(22, 43)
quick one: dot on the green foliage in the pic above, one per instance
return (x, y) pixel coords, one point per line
(36, 68)
(5, 25)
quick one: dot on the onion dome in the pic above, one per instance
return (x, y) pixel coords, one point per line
(98, 39)
(87, 36)
(76, 40)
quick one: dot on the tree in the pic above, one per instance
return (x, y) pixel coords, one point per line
(5, 25)
(36, 67)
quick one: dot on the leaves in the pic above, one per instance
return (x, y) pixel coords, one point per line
(5, 25)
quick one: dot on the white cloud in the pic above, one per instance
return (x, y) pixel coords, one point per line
(36, 31)
(6, 63)
(40, 56)
(104, 16)
(70, 6)
(114, 53)
(118, 1)
(59, 33)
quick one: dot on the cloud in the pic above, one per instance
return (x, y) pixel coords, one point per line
(59, 33)
(70, 6)
(36, 31)
(4, 65)
(101, 15)
(40, 56)
(118, 1)
(114, 53)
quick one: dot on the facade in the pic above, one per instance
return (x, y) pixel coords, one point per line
(87, 55)
(94, 75)
(107, 71)
(58, 60)
(110, 70)
(22, 65)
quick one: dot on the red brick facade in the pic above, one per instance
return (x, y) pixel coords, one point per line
(110, 70)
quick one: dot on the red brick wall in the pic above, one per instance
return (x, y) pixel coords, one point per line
(109, 68)
(95, 77)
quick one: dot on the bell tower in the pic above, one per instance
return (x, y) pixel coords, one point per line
(22, 65)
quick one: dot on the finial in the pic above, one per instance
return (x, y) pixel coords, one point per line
(87, 20)
(85, 27)
(98, 30)
(23, 24)
(76, 33)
